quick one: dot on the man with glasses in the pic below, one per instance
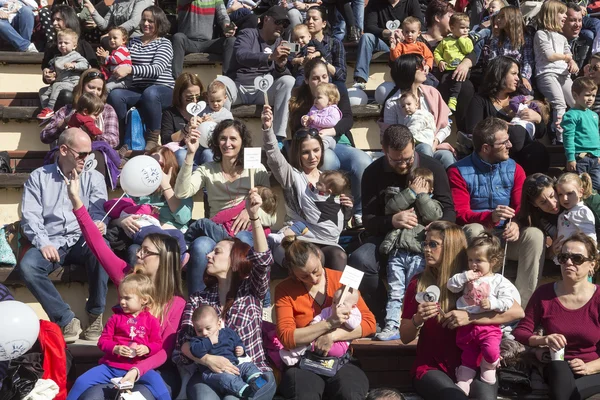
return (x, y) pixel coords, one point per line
(260, 52)
(486, 187)
(51, 227)
(391, 171)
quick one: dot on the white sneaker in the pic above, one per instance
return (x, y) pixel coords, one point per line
(31, 49)
(360, 85)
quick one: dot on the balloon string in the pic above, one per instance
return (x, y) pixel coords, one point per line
(106, 215)
(505, 248)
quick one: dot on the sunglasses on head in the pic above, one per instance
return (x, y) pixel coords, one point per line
(302, 133)
(576, 259)
(541, 181)
(94, 75)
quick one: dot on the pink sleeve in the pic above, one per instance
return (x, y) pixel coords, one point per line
(327, 118)
(169, 334)
(325, 313)
(228, 214)
(355, 319)
(106, 343)
(113, 265)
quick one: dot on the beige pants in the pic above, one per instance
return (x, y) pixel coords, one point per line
(529, 252)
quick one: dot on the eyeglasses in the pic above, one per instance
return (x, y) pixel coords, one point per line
(503, 144)
(304, 132)
(143, 253)
(402, 161)
(577, 259)
(79, 155)
(432, 244)
(283, 23)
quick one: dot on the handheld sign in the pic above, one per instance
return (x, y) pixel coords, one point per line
(252, 161)
(392, 25)
(351, 277)
(430, 295)
(264, 83)
(195, 109)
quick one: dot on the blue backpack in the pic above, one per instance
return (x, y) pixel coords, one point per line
(134, 130)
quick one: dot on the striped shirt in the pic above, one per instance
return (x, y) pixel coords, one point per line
(120, 56)
(152, 62)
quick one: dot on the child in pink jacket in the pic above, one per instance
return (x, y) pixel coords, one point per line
(130, 335)
(325, 113)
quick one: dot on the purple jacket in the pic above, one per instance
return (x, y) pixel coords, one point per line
(325, 118)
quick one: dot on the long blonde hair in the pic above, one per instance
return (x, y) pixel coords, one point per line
(454, 247)
(547, 18)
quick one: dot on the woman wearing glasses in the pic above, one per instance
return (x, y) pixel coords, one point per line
(345, 156)
(409, 75)
(569, 313)
(158, 258)
(501, 82)
(435, 323)
(299, 179)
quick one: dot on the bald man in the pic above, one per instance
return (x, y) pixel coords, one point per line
(51, 227)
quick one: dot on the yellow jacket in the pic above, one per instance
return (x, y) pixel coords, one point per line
(452, 51)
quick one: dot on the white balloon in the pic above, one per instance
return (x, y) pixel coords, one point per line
(20, 329)
(141, 176)
(383, 91)
(357, 97)
(206, 130)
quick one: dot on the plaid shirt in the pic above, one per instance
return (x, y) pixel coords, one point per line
(523, 55)
(244, 316)
(335, 55)
(110, 126)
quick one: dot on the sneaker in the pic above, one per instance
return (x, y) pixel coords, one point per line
(31, 48)
(46, 113)
(358, 223)
(360, 85)
(94, 329)
(71, 331)
(388, 334)
(257, 382)
(452, 101)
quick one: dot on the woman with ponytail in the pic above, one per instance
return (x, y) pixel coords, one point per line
(298, 299)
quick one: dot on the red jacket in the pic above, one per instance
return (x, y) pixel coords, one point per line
(54, 354)
(86, 122)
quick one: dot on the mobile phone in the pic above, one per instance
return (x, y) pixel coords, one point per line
(231, 27)
(294, 47)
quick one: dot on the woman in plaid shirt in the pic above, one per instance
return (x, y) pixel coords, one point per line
(237, 280)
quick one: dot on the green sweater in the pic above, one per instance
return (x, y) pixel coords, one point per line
(195, 18)
(580, 133)
(179, 219)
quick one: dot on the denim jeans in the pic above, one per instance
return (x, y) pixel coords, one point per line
(34, 270)
(358, 8)
(202, 156)
(367, 45)
(150, 102)
(207, 234)
(18, 33)
(484, 34)
(229, 383)
(198, 390)
(103, 374)
(444, 156)
(402, 266)
(591, 166)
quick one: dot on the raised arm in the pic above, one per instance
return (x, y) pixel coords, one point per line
(281, 169)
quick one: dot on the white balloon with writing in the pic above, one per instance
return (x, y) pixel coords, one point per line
(206, 130)
(19, 330)
(141, 176)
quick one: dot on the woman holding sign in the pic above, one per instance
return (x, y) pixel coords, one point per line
(435, 323)
(226, 183)
(569, 313)
(309, 289)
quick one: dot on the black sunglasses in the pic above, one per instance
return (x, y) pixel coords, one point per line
(541, 181)
(282, 22)
(94, 75)
(79, 155)
(577, 259)
(431, 244)
(302, 133)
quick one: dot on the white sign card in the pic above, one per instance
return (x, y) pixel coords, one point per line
(351, 277)
(132, 396)
(252, 161)
(392, 25)
(264, 83)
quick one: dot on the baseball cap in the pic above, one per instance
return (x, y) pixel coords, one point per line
(277, 12)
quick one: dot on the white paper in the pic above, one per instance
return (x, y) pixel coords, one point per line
(351, 277)
(132, 396)
(126, 385)
(252, 157)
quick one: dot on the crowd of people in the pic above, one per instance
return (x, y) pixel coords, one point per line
(439, 221)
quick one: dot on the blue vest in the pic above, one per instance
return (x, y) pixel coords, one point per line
(489, 185)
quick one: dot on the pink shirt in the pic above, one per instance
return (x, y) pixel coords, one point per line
(325, 118)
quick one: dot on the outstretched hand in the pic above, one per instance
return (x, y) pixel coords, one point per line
(73, 186)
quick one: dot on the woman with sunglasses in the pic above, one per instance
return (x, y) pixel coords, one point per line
(435, 323)
(569, 313)
(501, 82)
(409, 75)
(299, 178)
(158, 258)
(345, 156)
(108, 160)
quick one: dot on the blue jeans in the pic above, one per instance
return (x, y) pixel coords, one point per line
(197, 389)
(103, 374)
(591, 166)
(444, 156)
(18, 33)
(484, 34)
(358, 8)
(34, 270)
(202, 237)
(401, 267)
(150, 102)
(367, 45)
(229, 383)
(202, 156)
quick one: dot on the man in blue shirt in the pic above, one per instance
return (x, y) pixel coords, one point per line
(51, 227)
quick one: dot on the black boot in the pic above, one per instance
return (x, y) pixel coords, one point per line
(353, 35)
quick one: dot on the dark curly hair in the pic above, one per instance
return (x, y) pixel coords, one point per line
(495, 76)
(244, 133)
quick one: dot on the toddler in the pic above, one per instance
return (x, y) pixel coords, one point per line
(324, 113)
(580, 131)
(577, 217)
(118, 56)
(68, 67)
(492, 9)
(87, 110)
(554, 62)
(483, 291)
(216, 96)
(330, 186)
(130, 335)
(340, 348)
(520, 103)
(302, 36)
(411, 31)
(215, 339)
(404, 245)
(451, 51)
(125, 207)
(420, 122)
